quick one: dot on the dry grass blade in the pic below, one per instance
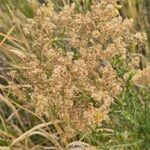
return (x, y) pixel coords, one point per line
(23, 38)
(61, 133)
(47, 136)
(3, 124)
(27, 133)
(13, 50)
(29, 111)
(4, 148)
(7, 102)
(52, 139)
(7, 35)
(2, 133)
(10, 38)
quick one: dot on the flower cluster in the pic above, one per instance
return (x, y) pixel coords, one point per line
(69, 67)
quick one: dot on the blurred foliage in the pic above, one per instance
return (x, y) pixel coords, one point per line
(14, 14)
(24, 6)
(139, 10)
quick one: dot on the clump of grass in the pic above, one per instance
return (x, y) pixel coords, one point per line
(13, 16)
(35, 126)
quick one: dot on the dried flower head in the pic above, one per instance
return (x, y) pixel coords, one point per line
(69, 70)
